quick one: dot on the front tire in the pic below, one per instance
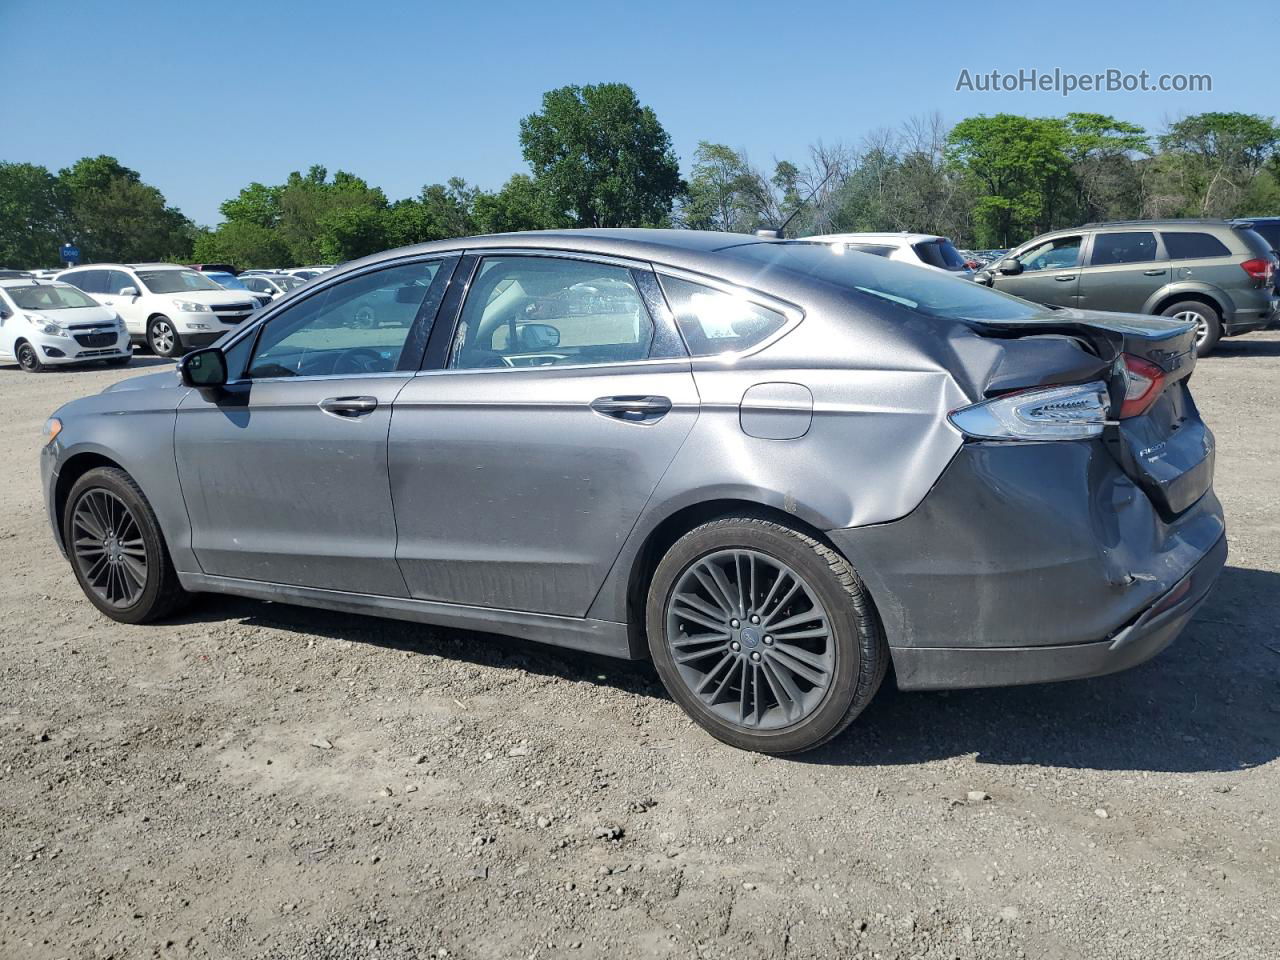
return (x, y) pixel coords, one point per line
(764, 635)
(1208, 323)
(162, 337)
(116, 548)
(29, 358)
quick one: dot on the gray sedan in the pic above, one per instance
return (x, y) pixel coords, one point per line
(773, 467)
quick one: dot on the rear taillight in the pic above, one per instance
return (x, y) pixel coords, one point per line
(1074, 412)
(1259, 269)
(1143, 381)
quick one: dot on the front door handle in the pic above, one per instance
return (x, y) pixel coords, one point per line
(633, 409)
(1152, 273)
(1065, 276)
(349, 408)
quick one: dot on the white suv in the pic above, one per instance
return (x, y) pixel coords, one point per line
(920, 249)
(168, 307)
(44, 323)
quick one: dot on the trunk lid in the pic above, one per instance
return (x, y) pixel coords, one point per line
(1167, 450)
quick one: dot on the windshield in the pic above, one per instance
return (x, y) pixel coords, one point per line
(940, 253)
(44, 297)
(228, 280)
(176, 281)
(925, 292)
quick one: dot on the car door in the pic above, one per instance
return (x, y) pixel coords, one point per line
(520, 463)
(132, 309)
(9, 321)
(1125, 268)
(1050, 272)
(284, 471)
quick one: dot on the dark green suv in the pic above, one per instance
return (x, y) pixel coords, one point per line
(1216, 273)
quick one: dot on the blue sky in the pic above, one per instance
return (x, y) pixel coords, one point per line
(202, 99)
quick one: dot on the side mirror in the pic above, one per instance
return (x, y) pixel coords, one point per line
(537, 336)
(1010, 266)
(203, 368)
(128, 292)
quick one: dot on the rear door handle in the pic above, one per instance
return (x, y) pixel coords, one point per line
(1153, 273)
(633, 409)
(1065, 276)
(349, 408)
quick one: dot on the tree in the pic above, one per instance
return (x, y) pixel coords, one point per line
(33, 216)
(245, 244)
(602, 158)
(117, 217)
(1020, 170)
(1102, 153)
(521, 204)
(1210, 159)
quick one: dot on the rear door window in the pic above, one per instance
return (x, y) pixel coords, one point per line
(90, 281)
(713, 321)
(548, 311)
(1113, 248)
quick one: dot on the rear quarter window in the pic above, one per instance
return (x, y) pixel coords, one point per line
(1191, 246)
(713, 321)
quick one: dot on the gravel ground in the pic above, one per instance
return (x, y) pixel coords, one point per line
(257, 780)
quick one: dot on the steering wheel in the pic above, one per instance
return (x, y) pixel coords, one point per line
(359, 360)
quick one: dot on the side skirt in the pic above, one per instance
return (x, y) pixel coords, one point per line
(594, 636)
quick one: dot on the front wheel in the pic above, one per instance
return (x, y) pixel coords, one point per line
(765, 636)
(29, 358)
(1208, 323)
(162, 337)
(116, 548)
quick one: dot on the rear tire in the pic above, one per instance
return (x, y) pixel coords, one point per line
(29, 358)
(162, 337)
(1208, 323)
(764, 635)
(117, 550)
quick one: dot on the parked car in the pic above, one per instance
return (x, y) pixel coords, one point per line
(168, 307)
(731, 455)
(47, 324)
(271, 285)
(1217, 274)
(214, 268)
(1269, 229)
(229, 281)
(7, 274)
(307, 273)
(920, 249)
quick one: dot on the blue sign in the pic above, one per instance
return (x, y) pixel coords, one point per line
(70, 254)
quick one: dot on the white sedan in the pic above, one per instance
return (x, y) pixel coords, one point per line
(44, 323)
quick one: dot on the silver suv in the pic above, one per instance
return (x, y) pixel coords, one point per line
(1216, 273)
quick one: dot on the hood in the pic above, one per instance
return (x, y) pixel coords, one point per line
(164, 380)
(75, 316)
(211, 297)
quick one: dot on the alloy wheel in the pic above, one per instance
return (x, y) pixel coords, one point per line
(108, 547)
(750, 638)
(162, 338)
(1202, 324)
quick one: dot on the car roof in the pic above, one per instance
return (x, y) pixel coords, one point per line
(856, 237)
(1199, 222)
(31, 282)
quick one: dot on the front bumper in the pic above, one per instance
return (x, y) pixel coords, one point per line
(68, 351)
(1033, 562)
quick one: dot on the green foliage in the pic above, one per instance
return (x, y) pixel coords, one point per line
(602, 158)
(1209, 160)
(34, 222)
(521, 204)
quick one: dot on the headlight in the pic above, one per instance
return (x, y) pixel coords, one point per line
(189, 306)
(52, 427)
(47, 327)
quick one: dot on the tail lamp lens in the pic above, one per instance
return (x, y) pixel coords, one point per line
(1074, 412)
(1143, 381)
(1258, 268)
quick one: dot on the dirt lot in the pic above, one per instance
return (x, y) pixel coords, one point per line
(257, 780)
